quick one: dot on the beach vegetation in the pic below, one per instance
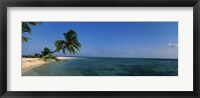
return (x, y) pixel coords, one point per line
(28, 56)
(26, 28)
(70, 44)
(46, 51)
(37, 55)
(47, 54)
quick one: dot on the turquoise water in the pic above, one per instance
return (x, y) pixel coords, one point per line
(92, 66)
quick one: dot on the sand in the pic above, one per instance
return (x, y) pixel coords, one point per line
(34, 62)
(66, 58)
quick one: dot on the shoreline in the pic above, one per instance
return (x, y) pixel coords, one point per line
(35, 62)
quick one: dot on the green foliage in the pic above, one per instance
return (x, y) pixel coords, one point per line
(28, 56)
(47, 54)
(59, 45)
(54, 57)
(25, 39)
(26, 28)
(37, 55)
(71, 43)
(46, 51)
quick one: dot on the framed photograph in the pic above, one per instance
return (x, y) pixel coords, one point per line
(86, 49)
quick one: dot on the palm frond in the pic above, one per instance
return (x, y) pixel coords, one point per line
(70, 35)
(71, 43)
(25, 39)
(63, 50)
(34, 23)
(26, 28)
(59, 45)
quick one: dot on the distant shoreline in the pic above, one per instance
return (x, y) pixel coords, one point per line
(70, 57)
(114, 57)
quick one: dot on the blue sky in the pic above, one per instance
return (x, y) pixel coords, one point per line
(109, 39)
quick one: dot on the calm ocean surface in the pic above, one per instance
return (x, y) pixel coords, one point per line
(93, 66)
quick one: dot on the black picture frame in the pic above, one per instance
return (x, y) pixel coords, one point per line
(99, 3)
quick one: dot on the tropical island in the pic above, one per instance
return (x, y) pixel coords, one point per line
(99, 49)
(70, 44)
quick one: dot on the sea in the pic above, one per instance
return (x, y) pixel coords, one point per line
(106, 66)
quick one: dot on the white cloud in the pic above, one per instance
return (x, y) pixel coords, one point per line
(173, 45)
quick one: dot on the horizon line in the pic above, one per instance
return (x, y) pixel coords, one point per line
(112, 57)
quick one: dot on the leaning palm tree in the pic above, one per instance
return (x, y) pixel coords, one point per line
(47, 54)
(26, 28)
(71, 43)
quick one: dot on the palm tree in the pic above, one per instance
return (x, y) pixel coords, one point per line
(71, 43)
(46, 51)
(47, 54)
(26, 28)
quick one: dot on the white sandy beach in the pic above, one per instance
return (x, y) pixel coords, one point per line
(66, 58)
(29, 63)
(35, 62)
